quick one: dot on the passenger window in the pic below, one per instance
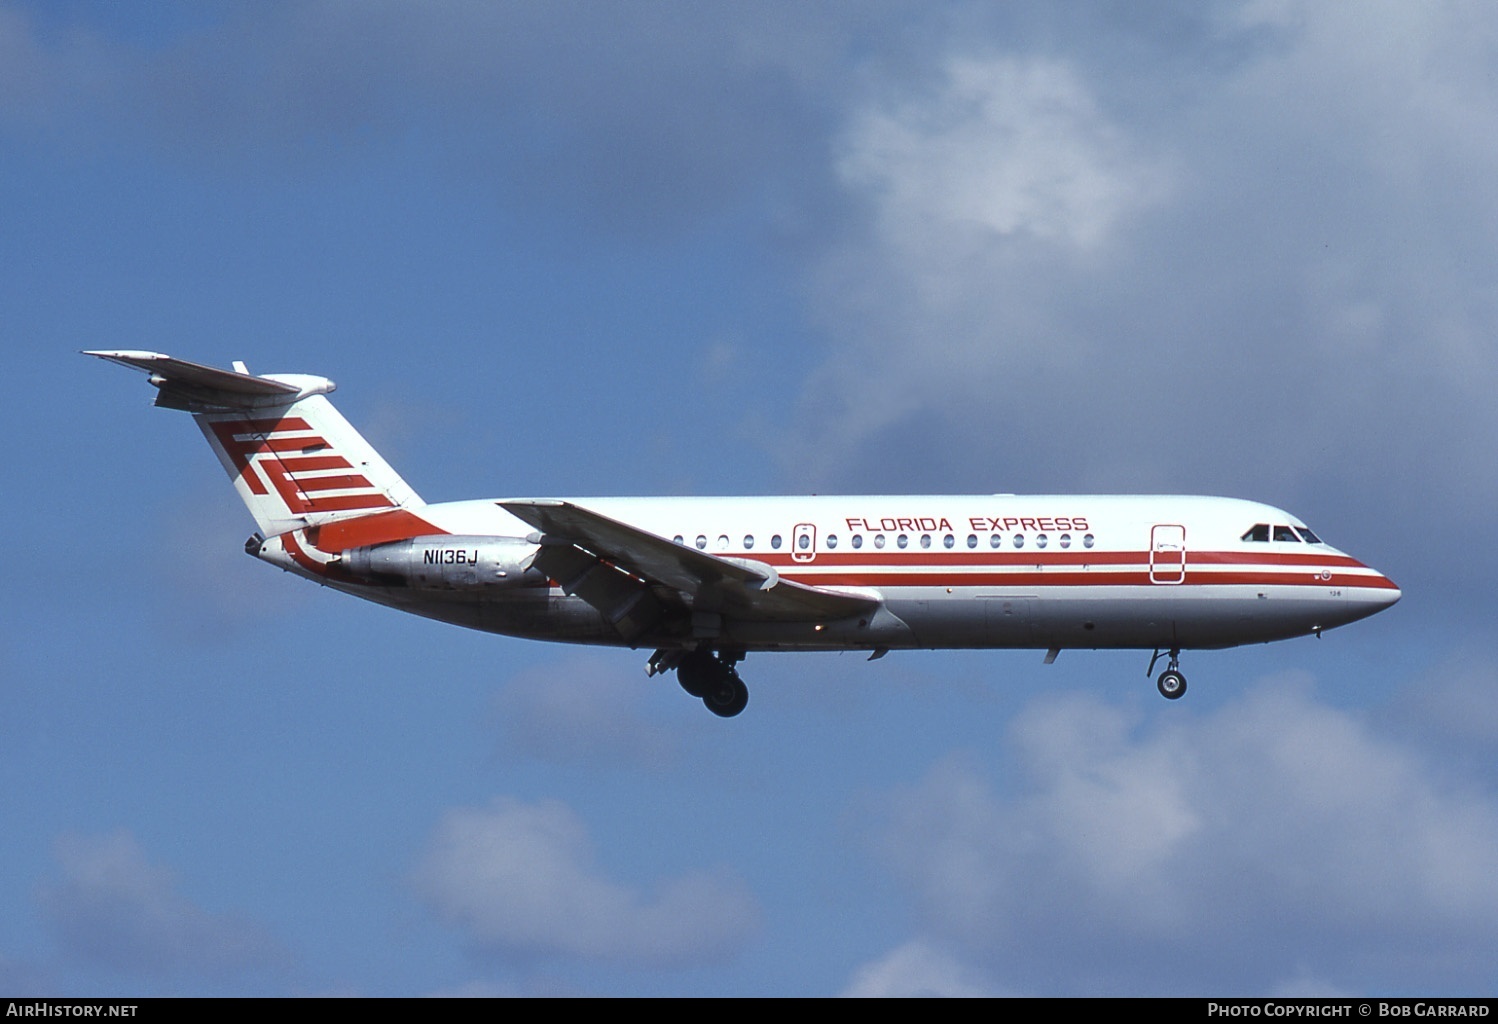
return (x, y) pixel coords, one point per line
(948, 541)
(803, 542)
(701, 542)
(857, 540)
(1040, 540)
(775, 542)
(1019, 540)
(878, 540)
(1257, 532)
(1087, 540)
(1066, 540)
(723, 542)
(925, 540)
(994, 540)
(677, 539)
(832, 540)
(902, 540)
(748, 542)
(972, 540)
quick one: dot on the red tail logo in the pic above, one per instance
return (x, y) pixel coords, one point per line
(299, 463)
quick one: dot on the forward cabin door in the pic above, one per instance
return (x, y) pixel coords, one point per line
(1167, 553)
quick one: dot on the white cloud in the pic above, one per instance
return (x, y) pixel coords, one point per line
(985, 191)
(1456, 702)
(1269, 278)
(1276, 841)
(918, 970)
(522, 879)
(1004, 146)
(112, 906)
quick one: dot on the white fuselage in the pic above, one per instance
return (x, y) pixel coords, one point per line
(704, 581)
(987, 571)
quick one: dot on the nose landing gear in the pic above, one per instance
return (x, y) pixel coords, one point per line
(1172, 683)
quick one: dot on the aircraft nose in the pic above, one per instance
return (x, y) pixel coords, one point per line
(1389, 596)
(1382, 593)
(1368, 593)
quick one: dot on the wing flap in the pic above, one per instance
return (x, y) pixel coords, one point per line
(740, 588)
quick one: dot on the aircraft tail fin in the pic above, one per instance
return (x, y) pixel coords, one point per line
(294, 459)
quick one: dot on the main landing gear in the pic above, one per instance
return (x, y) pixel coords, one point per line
(1172, 683)
(709, 677)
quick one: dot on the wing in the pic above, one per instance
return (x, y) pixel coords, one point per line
(739, 588)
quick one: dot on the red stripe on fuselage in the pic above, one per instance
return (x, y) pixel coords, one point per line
(364, 531)
(1019, 568)
(1072, 579)
(938, 560)
(1020, 556)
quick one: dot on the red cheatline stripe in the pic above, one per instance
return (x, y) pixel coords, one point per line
(1137, 573)
(1082, 579)
(1270, 558)
(1374, 582)
(363, 531)
(306, 561)
(300, 557)
(1021, 557)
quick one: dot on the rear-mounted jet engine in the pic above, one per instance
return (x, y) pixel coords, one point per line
(447, 563)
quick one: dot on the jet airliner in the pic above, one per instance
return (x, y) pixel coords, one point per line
(705, 581)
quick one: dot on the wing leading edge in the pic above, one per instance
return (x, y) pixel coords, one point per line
(737, 588)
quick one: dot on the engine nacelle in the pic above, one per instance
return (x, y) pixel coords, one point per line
(447, 563)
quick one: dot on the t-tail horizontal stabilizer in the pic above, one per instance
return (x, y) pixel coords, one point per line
(194, 387)
(294, 459)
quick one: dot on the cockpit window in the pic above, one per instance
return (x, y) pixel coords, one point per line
(1258, 532)
(1307, 536)
(1285, 533)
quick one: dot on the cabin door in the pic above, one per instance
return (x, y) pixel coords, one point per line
(804, 543)
(1167, 554)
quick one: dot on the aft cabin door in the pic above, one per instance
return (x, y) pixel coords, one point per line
(1167, 554)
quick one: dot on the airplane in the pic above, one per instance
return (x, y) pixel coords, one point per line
(706, 581)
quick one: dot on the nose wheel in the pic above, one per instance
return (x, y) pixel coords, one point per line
(1172, 682)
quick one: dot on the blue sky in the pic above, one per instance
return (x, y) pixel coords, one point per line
(655, 248)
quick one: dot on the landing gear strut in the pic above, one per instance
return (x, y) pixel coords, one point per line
(713, 679)
(1172, 683)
